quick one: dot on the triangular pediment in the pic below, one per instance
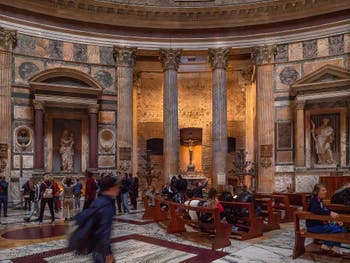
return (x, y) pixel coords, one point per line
(328, 77)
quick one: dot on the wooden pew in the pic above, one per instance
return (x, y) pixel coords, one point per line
(343, 209)
(177, 223)
(301, 234)
(281, 204)
(271, 218)
(149, 210)
(250, 226)
(297, 199)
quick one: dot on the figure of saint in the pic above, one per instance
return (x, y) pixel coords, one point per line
(323, 137)
(67, 151)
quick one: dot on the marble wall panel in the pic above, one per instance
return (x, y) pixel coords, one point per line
(26, 68)
(336, 45)
(282, 53)
(322, 47)
(42, 47)
(282, 181)
(106, 55)
(56, 64)
(23, 112)
(107, 117)
(309, 49)
(347, 43)
(295, 51)
(80, 52)
(106, 161)
(56, 49)
(310, 67)
(306, 183)
(284, 113)
(93, 54)
(106, 77)
(286, 75)
(27, 161)
(68, 51)
(25, 44)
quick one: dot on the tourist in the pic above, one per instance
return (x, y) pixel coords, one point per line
(151, 194)
(342, 195)
(105, 205)
(34, 201)
(46, 190)
(3, 195)
(198, 191)
(68, 196)
(125, 185)
(317, 206)
(77, 193)
(56, 197)
(181, 188)
(27, 189)
(134, 191)
(211, 202)
(99, 184)
(90, 190)
(173, 189)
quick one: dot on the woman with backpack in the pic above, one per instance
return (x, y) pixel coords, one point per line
(68, 196)
(46, 190)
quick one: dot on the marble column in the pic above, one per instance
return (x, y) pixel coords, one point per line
(218, 60)
(170, 59)
(264, 58)
(38, 135)
(93, 110)
(7, 42)
(125, 62)
(300, 135)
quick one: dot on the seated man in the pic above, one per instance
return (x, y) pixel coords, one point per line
(317, 206)
(342, 195)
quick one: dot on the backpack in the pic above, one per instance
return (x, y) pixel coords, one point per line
(80, 234)
(48, 193)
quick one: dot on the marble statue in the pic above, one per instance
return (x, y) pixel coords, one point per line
(67, 151)
(323, 137)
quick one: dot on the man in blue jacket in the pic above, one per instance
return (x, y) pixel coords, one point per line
(3, 195)
(105, 205)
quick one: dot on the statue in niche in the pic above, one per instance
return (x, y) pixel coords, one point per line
(67, 151)
(323, 137)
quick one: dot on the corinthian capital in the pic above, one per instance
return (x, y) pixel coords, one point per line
(170, 58)
(38, 105)
(124, 56)
(8, 38)
(218, 57)
(265, 54)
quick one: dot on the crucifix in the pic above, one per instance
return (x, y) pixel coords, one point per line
(190, 141)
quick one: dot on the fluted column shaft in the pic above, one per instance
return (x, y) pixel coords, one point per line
(218, 59)
(7, 42)
(39, 135)
(170, 60)
(125, 61)
(264, 56)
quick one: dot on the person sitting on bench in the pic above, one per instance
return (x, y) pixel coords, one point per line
(211, 202)
(317, 206)
(342, 195)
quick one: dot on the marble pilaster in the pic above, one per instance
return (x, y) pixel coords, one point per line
(7, 41)
(300, 135)
(125, 62)
(218, 59)
(170, 60)
(264, 57)
(39, 135)
(93, 111)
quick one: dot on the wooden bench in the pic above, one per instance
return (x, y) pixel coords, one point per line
(149, 210)
(271, 218)
(250, 226)
(301, 234)
(297, 199)
(281, 205)
(343, 209)
(177, 223)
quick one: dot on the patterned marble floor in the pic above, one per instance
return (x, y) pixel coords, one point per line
(137, 240)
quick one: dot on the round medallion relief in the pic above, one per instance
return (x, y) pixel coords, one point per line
(23, 137)
(107, 139)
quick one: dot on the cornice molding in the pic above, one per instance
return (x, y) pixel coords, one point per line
(120, 14)
(155, 43)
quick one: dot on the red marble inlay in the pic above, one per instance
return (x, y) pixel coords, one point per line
(37, 232)
(203, 255)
